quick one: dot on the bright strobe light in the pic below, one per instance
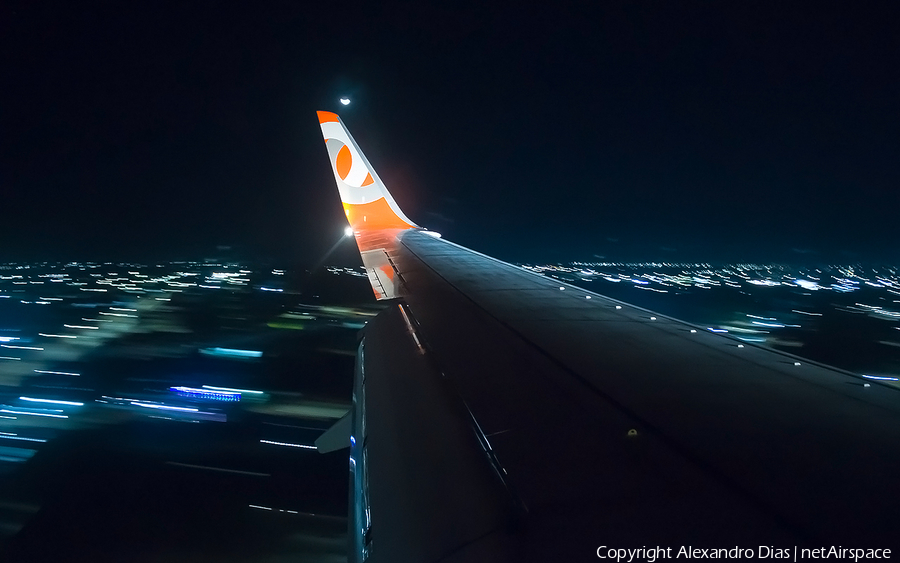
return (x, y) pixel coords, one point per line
(348, 232)
(345, 101)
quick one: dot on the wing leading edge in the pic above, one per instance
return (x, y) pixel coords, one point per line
(501, 415)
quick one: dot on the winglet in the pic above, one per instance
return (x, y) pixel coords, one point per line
(367, 202)
(374, 216)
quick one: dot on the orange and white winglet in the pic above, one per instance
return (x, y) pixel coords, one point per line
(374, 216)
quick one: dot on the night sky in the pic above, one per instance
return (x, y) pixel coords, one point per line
(629, 131)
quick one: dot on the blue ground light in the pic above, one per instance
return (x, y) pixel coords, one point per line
(195, 393)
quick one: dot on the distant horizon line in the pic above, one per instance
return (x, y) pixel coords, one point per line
(799, 262)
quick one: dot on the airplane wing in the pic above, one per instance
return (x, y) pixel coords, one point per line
(500, 415)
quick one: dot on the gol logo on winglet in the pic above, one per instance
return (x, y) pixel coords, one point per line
(348, 166)
(344, 166)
